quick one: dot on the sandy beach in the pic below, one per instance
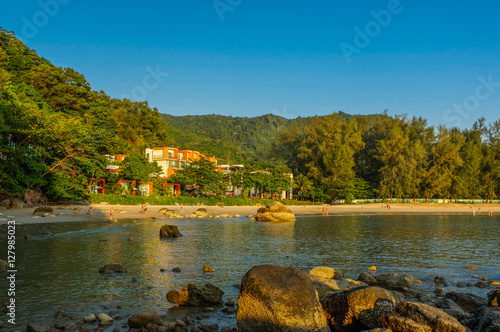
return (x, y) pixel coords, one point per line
(75, 213)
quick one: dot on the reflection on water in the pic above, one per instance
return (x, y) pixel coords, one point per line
(60, 272)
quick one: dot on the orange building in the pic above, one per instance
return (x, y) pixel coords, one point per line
(171, 159)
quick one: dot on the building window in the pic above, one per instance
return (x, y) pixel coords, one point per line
(157, 154)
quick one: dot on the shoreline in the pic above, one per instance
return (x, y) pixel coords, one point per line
(100, 212)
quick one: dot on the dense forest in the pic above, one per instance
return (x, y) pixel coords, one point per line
(55, 132)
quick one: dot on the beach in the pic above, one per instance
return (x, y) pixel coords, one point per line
(79, 213)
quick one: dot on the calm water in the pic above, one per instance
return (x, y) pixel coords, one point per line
(60, 272)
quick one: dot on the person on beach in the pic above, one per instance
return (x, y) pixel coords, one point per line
(90, 211)
(145, 209)
(111, 214)
(142, 209)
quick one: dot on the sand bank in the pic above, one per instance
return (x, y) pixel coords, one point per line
(74, 213)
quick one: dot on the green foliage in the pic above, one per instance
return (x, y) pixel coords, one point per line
(137, 167)
(201, 173)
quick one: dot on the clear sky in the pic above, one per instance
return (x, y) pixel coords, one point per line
(435, 59)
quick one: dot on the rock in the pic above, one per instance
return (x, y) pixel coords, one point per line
(460, 285)
(3, 265)
(383, 279)
(230, 303)
(481, 284)
(16, 203)
(494, 298)
(229, 310)
(489, 322)
(380, 329)
(398, 297)
(367, 278)
(325, 286)
(357, 310)
(274, 298)
(176, 269)
(209, 328)
(401, 282)
(41, 211)
(413, 316)
(451, 308)
(103, 318)
(207, 268)
(439, 280)
(112, 268)
(201, 212)
(327, 272)
(5, 203)
(473, 320)
(468, 302)
(194, 296)
(89, 318)
(60, 314)
(169, 231)
(372, 268)
(275, 211)
(38, 328)
(143, 319)
(471, 267)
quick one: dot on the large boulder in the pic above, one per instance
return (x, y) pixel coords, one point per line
(359, 309)
(169, 231)
(43, 210)
(416, 317)
(274, 298)
(16, 203)
(367, 278)
(481, 317)
(112, 268)
(489, 322)
(468, 302)
(5, 203)
(327, 272)
(194, 296)
(451, 308)
(143, 319)
(384, 279)
(275, 211)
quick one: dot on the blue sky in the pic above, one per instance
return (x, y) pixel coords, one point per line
(439, 60)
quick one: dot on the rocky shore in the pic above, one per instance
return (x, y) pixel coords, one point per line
(274, 298)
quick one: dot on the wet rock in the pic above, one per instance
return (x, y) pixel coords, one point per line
(327, 272)
(112, 268)
(162, 270)
(490, 322)
(209, 328)
(473, 320)
(275, 211)
(38, 328)
(207, 268)
(60, 314)
(176, 269)
(143, 319)
(380, 329)
(230, 303)
(439, 280)
(451, 308)
(413, 316)
(383, 279)
(367, 278)
(3, 265)
(460, 285)
(194, 296)
(494, 298)
(41, 211)
(468, 302)
(274, 298)
(169, 231)
(358, 309)
(89, 318)
(103, 318)
(201, 212)
(229, 310)
(398, 297)
(27, 236)
(481, 284)
(401, 282)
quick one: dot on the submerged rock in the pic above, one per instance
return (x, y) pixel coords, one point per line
(143, 319)
(169, 231)
(194, 296)
(112, 268)
(274, 298)
(275, 211)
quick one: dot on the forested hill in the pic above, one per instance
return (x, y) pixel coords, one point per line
(231, 139)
